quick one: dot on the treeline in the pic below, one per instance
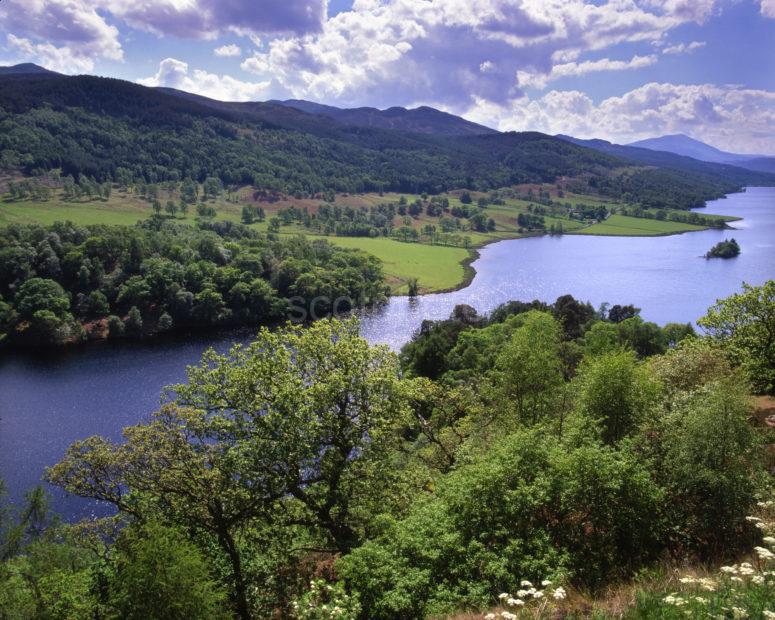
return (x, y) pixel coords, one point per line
(66, 283)
(685, 218)
(379, 220)
(98, 128)
(310, 475)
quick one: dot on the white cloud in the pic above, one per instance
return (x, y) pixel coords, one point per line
(64, 35)
(448, 52)
(683, 48)
(730, 117)
(570, 69)
(228, 51)
(175, 73)
(768, 8)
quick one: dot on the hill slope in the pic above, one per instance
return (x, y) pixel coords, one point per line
(109, 128)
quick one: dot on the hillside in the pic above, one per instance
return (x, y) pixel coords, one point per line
(106, 128)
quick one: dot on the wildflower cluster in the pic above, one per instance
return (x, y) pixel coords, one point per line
(529, 600)
(325, 601)
(744, 590)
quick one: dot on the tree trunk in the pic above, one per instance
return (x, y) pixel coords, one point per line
(226, 541)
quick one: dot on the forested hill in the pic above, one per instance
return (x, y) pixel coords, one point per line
(419, 120)
(106, 129)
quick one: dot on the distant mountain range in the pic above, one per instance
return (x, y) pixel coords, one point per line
(106, 128)
(684, 145)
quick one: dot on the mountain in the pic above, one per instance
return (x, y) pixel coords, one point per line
(681, 144)
(732, 172)
(26, 68)
(417, 120)
(111, 129)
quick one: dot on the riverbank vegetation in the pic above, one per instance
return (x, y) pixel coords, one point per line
(67, 283)
(532, 459)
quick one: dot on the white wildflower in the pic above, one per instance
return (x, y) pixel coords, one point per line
(769, 540)
(546, 583)
(738, 612)
(753, 519)
(525, 583)
(687, 580)
(746, 568)
(523, 593)
(511, 602)
(730, 570)
(737, 579)
(700, 600)
(504, 595)
(538, 594)
(706, 583)
(559, 594)
(508, 615)
(758, 579)
(489, 617)
(764, 553)
(769, 614)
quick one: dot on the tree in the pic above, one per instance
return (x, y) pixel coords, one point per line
(286, 428)
(744, 324)
(171, 208)
(160, 575)
(529, 366)
(308, 405)
(39, 294)
(615, 394)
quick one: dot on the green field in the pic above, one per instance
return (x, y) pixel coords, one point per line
(436, 267)
(623, 225)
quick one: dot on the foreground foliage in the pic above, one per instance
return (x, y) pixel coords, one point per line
(511, 460)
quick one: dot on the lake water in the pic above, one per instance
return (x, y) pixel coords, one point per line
(46, 404)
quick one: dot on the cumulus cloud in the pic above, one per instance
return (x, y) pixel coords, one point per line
(452, 51)
(683, 48)
(733, 118)
(226, 51)
(80, 30)
(175, 73)
(570, 69)
(64, 35)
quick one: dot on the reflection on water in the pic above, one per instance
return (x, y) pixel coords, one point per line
(46, 404)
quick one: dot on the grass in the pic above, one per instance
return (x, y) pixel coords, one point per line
(436, 267)
(623, 225)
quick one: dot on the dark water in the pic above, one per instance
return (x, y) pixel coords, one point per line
(46, 404)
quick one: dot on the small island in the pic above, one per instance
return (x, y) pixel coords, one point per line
(728, 248)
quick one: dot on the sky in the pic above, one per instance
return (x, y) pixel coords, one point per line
(620, 70)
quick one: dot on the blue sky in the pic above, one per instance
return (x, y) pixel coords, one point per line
(615, 69)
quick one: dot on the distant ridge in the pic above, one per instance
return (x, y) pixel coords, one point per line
(26, 68)
(417, 120)
(681, 144)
